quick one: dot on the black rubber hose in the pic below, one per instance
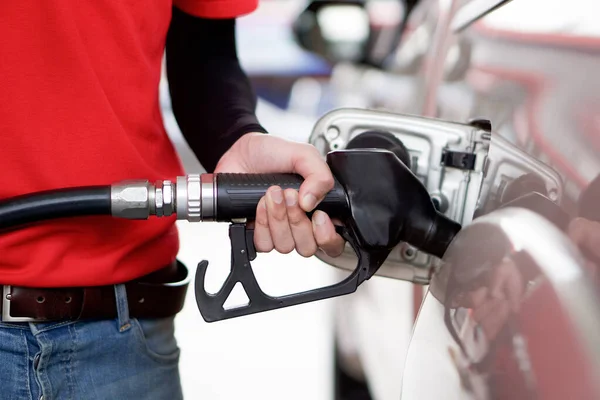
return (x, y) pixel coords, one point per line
(23, 210)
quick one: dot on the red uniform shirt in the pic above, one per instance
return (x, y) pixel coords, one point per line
(79, 106)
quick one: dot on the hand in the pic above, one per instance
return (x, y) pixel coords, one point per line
(493, 302)
(281, 221)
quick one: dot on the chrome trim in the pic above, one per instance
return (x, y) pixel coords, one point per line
(474, 10)
(215, 196)
(159, 202)
(208, 187)
(168, 200)
(181, 197)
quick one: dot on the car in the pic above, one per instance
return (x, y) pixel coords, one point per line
(527, 71)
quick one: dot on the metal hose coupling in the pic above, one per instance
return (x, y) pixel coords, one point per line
(191, 197)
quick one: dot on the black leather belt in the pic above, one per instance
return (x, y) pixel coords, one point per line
(158, 295)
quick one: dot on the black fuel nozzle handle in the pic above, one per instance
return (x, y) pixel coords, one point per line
(379, 201)
(388, 203)
(237, 195)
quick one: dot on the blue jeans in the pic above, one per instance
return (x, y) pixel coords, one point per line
(122, 358)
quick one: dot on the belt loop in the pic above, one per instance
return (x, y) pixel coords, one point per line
(122, 307)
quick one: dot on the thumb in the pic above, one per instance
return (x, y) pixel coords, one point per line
(318, 179)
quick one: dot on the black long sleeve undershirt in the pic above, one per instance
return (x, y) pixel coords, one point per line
(213, 101)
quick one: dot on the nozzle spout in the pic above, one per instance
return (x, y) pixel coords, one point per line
(443, 230)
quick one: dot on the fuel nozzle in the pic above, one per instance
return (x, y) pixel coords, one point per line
(376, 195)
(389, 204)
(431, 231)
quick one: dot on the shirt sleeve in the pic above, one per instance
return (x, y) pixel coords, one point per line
(212, 98)
(217, 9)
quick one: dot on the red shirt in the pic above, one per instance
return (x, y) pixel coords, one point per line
(79, 106)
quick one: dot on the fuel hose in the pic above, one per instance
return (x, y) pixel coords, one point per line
(53, 204)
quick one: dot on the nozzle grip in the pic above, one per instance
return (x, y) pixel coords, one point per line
(237, 195)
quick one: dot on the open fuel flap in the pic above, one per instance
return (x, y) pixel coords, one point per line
(464, 167)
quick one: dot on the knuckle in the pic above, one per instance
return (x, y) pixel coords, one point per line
(297, 218)
(328, 181)
(261, 212)
(277, 213)
(261, 219)
(309, 148)
(310, 151)
(314, 149)
(327, 239)
(304, 232)
(334, 238)
(279, 216)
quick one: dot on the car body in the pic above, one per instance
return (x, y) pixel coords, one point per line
(530, 68)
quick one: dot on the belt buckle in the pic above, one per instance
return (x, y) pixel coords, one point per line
(6, 317)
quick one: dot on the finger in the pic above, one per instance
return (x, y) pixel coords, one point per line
(326, 236)
(318, 179)
(515, 289)
(279, 227)
(300, 225)
(262, 236)
(508, 283)
(485, 308)
(475, 298)
(495, 320)
(577, 229)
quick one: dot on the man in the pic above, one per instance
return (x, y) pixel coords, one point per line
(79, 106)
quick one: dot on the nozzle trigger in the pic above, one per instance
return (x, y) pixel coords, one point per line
(211, 306)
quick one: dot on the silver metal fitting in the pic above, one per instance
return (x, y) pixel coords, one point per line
(164, 201)
(168, 198)
(158, 201)
(195, 197)
(193, 202)
(188, 197)
(131, 199)
(192, 197)
(181, 197)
